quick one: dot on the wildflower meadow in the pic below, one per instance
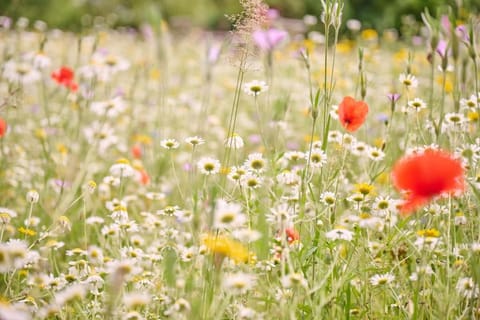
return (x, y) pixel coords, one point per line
(308, 169)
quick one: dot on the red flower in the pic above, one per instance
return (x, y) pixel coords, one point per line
(137, 151)
(352, 113)
(426, 175)
(64, 77)
(144, 177)
(3, 127)
(292, 235)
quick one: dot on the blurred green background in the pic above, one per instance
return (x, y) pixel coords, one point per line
(72, 14)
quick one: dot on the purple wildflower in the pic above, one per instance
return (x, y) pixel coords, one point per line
(393, 97)
(269, 39)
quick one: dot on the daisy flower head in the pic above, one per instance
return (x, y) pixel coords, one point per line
(234, 142)
(208, 166)
(110, 108)
(251, 180)
(239, 283)
(416, 105)
(382, 279)
(33, 196)
(169, 144)
(133, 300)
(235, 173)
(21, 72)
(122, 169)
(228, 215)
(408, 80)
(289, 178)
(375, 154)
(328, 198)
(317, 158)
(470, 103)
(194, 141)
(455, 120)
(294, 156)
(467, 288)
(294, 280)
(255, 162)
(339, 233)
(255, 87)
(382, 205)
(246, 235)
(359, 148)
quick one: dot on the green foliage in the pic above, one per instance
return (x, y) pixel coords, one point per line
(211, 13)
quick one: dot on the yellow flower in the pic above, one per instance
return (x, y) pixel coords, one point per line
(472, 116)
(433, 233)
(222, 245)
(369, 34)
(62, 148)
(401, 55)
(122, 161)
(383, 178)
(308, 138)
(364, 215)
(224, 170)
(142, 138)
(40, 134)
(155, 74)
(345, 46)
(27, 232)
(364, 188)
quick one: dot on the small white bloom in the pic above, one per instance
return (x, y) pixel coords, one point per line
(209, 166)
(33, 196)
(169, 144)
(255, 87)
(234, 142)
(382, 279)
(239, 283)
(228, 215)
(416, 105)
(408, 80)
(194, 141)
(467, 288)
(339, 234)
(294, 280)
(318, 158)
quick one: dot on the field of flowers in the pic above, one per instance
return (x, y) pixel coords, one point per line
(259, 174)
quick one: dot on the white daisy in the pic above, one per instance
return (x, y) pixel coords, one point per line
(339, 233)
(467, 288)
(255, 87)
(228, 215)
(416, 105)
(209, 166)
(169, 144)
(382, 279)
(239, 283)
(408, 80)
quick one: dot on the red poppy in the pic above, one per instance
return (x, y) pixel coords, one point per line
(64, 77)
(352, 113)
(137, 151)
(426, 175)
(292, 235)
(144, 177)
(3, 127)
